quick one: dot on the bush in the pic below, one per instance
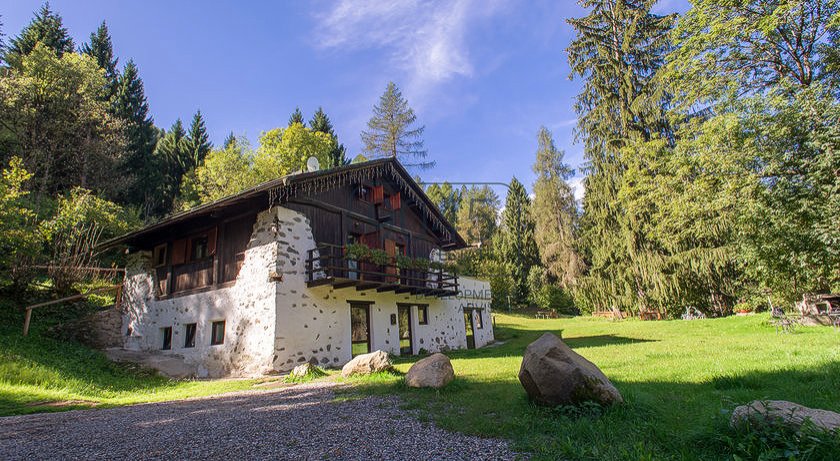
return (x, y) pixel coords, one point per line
(546, 295)
(20, 240)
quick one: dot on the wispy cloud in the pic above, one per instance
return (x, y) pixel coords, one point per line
(426, 41)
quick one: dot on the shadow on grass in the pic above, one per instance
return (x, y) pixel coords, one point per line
(603, 340)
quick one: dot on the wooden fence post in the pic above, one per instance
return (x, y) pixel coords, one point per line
(26, 321)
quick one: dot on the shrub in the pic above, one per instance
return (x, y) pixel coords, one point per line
(20, 240)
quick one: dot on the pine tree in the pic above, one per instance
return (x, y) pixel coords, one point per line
(555, 212)
(321, 122)
(198, 142)
(101, 49)
(619, 46)
(46, 27)
(130, 105)
(516, 247)
(172, 157)
(230, 140)
(392, 132)
(296, 117)
(447, 199)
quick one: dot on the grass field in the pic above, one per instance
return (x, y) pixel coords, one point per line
(40, 374)
(680, 380)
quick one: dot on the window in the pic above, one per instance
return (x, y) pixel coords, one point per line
(423, 315)
(479, 323)
(198, 248)
(160, 255)
(166, 332)
(217, 335)
(189, 335)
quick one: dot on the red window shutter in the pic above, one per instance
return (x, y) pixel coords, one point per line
(378, 194)
(211, 241)
(395, 201)
(179, 252)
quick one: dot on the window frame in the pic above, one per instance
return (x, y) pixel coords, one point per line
(189, 340)
(166, 336)
(157, 260)
(213, 326)
(422, 314)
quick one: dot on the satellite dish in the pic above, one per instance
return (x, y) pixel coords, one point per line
(312, 164)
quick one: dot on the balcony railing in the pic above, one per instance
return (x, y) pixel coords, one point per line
(329, 265)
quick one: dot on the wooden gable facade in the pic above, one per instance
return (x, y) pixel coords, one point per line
(374, 203)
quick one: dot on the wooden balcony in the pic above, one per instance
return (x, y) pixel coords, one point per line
(328, 265)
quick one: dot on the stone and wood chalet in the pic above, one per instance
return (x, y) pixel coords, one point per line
(267, 279)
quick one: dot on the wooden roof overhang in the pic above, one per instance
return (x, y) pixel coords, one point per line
(280, 190)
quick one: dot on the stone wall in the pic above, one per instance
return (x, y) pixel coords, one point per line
(274, 321)
(247, 307)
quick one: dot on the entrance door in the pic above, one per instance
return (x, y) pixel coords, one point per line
(404, 315)
(468, 323)
(360, 328)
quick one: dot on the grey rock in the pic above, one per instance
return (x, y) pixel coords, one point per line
(434, 371)
(787, 413)
(366, 364)
(553, 374)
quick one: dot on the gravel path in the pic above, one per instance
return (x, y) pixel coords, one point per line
(300, 422)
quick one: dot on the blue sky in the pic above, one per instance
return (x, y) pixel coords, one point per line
(482, 75)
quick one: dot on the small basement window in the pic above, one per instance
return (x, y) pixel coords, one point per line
(166, 332)
(189, 335)
(217, 334)
(423, 315)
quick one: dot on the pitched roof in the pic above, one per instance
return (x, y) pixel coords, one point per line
(278, 190)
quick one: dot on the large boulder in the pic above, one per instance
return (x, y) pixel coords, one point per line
(553, 374)
(433, 371)
(366, 364)
(786, 413)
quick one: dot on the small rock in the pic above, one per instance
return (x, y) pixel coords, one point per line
(789, 414)
(434, 371)
(366, 364)
(302, 370)
(553, 374)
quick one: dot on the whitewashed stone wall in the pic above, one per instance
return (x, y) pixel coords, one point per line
(275, 322)
(247, 308)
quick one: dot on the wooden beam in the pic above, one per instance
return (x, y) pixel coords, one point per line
(319, 282)
(347, 284)
(367, 286)
(387, 288)
(404, 289)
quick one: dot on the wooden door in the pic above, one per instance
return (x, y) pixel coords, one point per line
(359, 328)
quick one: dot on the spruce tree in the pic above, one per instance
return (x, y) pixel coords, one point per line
(619, 46)
(555, 212)
(392, 131)
(171, 156)
(296, 117)
(131, 106)
(101, 49)
(230, 140)
(516, 247)
(321, 122)
(198, 142)
(46, 27)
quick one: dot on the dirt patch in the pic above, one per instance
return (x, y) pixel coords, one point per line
(63, 403)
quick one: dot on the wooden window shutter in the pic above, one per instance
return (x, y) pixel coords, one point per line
(211, 241)
(378, 194)
(395, 201)
(179, 251)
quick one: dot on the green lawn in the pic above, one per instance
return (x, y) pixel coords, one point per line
(39, 374)
(680, 380)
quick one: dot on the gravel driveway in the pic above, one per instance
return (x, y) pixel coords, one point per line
(300, 422)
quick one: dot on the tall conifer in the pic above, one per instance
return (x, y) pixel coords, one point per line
(46, 27)
(619, 46)
(392, 131)
(296, 117)
(516, 246)
(100, 48)
(321, 122)
(198, 142)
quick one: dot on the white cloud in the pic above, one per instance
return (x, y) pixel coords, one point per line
(576, 184)
(424, 40)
